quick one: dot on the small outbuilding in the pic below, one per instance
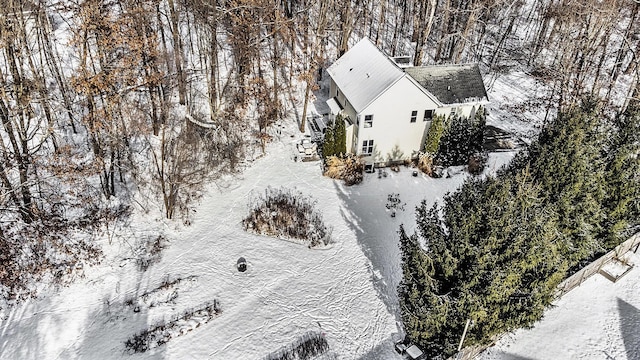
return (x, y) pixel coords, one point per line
(242, 265)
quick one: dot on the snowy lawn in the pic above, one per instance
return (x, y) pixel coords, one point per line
(346, 292)
(597, 320)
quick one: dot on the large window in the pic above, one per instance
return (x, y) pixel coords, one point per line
(414, 116)
(368, 121)
(428, 115)
(367, 147)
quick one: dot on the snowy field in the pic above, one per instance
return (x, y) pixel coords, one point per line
(598, 320)
(346, 292)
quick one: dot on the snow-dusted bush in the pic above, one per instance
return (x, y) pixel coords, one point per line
(160, 333)
(462, 138)
(425, 163)
(308, 346)
(149, 251)
(394, 204)
(350, 169)
(287, 214)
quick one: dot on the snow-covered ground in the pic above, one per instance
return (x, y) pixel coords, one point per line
(347, 292)
(598, 320)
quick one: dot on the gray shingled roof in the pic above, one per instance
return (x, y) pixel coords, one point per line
(451, 84)
(363, 73)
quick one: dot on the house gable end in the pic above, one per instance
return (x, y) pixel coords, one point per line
(363, 73)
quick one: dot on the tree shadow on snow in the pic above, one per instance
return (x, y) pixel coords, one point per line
(23, 332)
(115, 320)
(376, 234)
(630, 328)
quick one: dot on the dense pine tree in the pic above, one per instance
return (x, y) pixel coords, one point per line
(622, 175)
(335, 139)
(461, 138)
(499, 246)
(340, 137)
(328, 146)
(435, 134)
(567, 161)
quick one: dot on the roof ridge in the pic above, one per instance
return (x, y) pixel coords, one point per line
(446, 65)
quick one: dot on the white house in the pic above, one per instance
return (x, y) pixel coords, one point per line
(388, 106)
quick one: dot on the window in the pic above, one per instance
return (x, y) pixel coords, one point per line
(367, 147)
(414, 116)
(453, 111)
(368, 121)
(428, 115)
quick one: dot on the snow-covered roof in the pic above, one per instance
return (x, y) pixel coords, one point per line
(451, 84)
(363, 73)
(414, 352)
(334, 106)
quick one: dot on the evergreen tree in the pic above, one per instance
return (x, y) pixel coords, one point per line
(328, 145)
(462, 138)
(339, 137)
(434, 134)
(567, 161)
(622, 199)
(501, 245)
(423, 306)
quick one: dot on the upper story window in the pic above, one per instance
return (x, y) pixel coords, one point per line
(414, 116)
(428, 115)
(368, 121)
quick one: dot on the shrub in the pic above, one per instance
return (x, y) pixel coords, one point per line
(162, 332)
(308, 346)
(477, 163)
(425, 163)
(287, 214)
(461, 139)
(335, 141)
(435, 133)
(350, 169)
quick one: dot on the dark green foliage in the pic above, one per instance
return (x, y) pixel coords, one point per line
(500, 246)
(340, 137)
(462, 138)
(328, 146)
(622, 175)
(335, 140)
(567, 162)
(496, 264)
(435, 133)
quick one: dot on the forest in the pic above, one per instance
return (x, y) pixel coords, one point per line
(110, 104)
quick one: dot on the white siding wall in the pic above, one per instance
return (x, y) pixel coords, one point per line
(332, 89)
(348, 110)
(395, 136)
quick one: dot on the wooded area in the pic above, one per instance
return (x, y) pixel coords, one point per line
(104, 100)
